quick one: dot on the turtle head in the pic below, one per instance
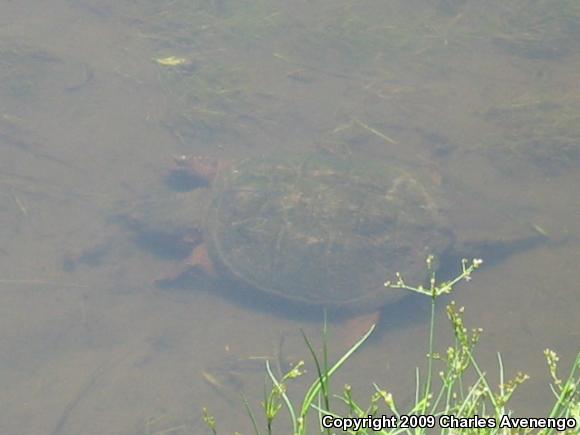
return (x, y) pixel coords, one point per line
(169, 225)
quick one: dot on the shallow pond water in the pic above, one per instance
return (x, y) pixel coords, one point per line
(96, 98)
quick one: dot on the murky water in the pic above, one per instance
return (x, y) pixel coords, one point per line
(483, 100)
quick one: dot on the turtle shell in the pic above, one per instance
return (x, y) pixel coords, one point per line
(322, 229)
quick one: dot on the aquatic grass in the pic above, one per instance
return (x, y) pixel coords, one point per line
(539, 30)
(463, 390)
(369, 44)
(538, 128)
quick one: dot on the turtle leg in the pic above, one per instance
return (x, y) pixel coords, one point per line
(200, 259)
(197, 262)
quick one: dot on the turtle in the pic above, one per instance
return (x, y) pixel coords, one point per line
(313, 230)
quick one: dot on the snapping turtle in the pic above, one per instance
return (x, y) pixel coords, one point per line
(313, 230)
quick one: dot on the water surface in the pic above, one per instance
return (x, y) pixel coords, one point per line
(484, 101)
